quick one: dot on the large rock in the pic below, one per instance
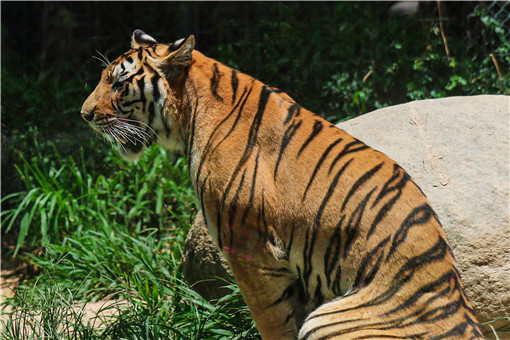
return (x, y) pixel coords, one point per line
(457, 150)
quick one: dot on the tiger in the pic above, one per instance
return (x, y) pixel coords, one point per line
(326, 237)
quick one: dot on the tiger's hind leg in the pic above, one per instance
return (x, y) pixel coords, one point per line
(272, 295)
(365, 315)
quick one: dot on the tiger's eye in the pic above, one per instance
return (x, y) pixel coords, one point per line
(117, 86)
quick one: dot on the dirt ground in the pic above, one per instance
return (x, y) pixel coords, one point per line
(14, 272)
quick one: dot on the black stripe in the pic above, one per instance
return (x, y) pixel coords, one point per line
(420, 215)
(233, 202)
(235, 83)
(215, 80)
(131, 77)
(151, 110)
(302, 296)
(436, 253)
(431, 287)
(164, 119)
(352, 226)
(191, 138)
(255, 126)
(291, 241)
(233, 209)
(201, 197)
(207, 149)
(252, 136)
(287, 294)
(115, 107)
(281, 271)
(317, 127)
(318, 298)
(293, 110)
(388, 188)
(334, 277)
(132, 102)
(155, 90)
(392, 184)
(362, 277)
(439, 313)
(319, 164)
(310, 240)
(303, 284)
(330, 191)
(141, 85)
(218, 223)
(249, 207)
(262, 214)
(287, 137)
(289, 317)
(333, 245)
(456, 331)
(313, 330)
(385, 336)
(366, 176)
(351, 147)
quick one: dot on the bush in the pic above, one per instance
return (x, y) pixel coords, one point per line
(63, 196)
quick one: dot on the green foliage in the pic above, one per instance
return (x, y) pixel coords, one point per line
(62, 196)
(343, 59)
(30, 95)
(141, 272)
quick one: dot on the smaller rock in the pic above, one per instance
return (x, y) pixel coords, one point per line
(204, 267)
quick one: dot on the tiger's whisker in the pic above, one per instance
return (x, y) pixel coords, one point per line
(105, 62)
(126, 135)
(142, 123)
(127, 129)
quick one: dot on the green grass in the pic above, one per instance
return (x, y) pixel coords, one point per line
(145, 307)
(63, 196)
(116, 237)
(503, 326)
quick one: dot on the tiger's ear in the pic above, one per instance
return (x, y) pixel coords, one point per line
(139, 38)
(178, 58)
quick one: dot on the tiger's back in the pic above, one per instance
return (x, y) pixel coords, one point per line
(323, 234)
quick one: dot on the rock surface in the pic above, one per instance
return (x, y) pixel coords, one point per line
(457, 151)
(203, 263)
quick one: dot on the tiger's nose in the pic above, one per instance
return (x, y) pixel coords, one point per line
(88, 116)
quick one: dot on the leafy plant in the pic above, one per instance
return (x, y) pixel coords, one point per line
(63, 197)
(142, 274)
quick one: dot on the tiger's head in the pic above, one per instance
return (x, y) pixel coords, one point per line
(137, 101)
